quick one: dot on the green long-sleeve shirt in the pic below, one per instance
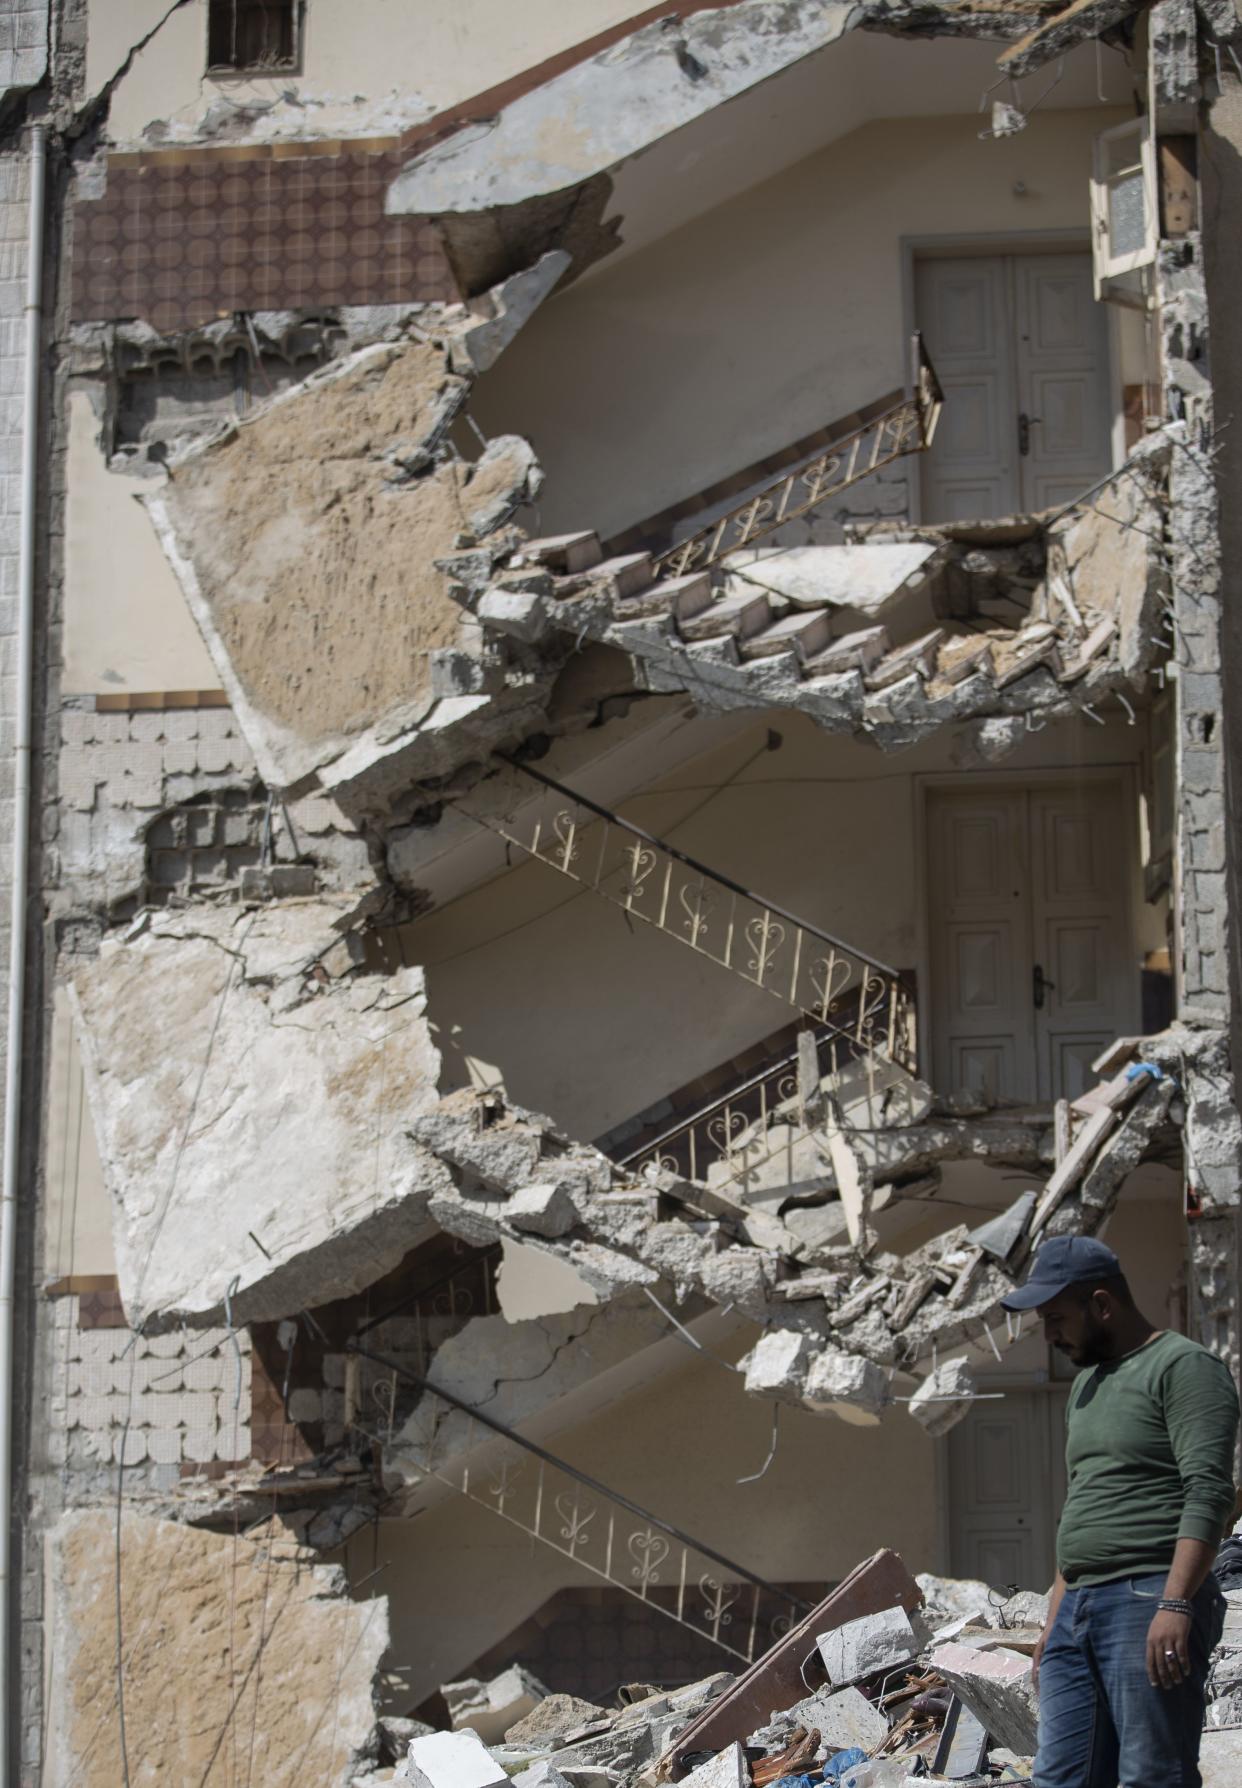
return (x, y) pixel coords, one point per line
(1150, 1454)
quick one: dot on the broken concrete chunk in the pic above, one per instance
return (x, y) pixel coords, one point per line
(555, 1716)
(543, 1774)
(944, 1397)
(845, 1385)
(453, 1760)
(545, 1208)
(521, 613)
(229, 1118)
(996, 1687)
(860, 1648)
(728, 1769)
(777, 1365)
(843, 1717)
(490, 1708)
(497, 315)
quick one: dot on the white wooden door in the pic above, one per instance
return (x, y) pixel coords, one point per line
(1062, 361)
(1032, 968)
(1006, 1487)
(1089, 978)
(981, 943)
(964, 310)
(1021, 348)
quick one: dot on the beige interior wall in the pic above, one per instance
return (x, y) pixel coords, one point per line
(459, 1579)
(418, 50)
(767, 317)
(542, 984)
(126, 626)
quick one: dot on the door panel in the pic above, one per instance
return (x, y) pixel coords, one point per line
(1080, 920)
(1062, 377)
(981, 941)
(1014, 335)
(1032, 970)
(1006, 1472)
(963, 310)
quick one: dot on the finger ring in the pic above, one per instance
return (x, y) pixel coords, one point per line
(1170, 1654)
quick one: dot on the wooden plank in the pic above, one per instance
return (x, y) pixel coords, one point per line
(965, 1280)
(775, 1679)
(1062, 1130)
(914, 1294)
(1118, 1053)
(1061, 33)
(1075, 1164)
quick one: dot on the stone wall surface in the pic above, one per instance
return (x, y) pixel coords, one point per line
(238, 1660)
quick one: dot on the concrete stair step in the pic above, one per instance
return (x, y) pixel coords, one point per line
(807, 631)
(628, 573)
(853, 651)
(680, 597)
(564, 552)
(739, 616)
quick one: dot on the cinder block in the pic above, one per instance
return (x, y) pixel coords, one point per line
(164, 1445)
(199, 1445)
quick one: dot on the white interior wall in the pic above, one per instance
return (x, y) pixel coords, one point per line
(768, 317)
(540, 984)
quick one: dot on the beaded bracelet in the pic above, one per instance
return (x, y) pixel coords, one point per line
(1175, 1605)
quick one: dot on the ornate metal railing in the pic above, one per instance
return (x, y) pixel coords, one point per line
(908, 427)
(849, 995)
(734, 1137)
(607, 1534)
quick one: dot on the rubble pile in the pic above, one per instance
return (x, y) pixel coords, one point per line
(898, 1697)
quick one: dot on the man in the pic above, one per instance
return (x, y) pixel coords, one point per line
(1135, 1613)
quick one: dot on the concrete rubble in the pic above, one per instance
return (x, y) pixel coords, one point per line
(876, 1693)
(236, 1119)
(888, 638)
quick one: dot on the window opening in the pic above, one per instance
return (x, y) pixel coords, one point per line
(253, 36)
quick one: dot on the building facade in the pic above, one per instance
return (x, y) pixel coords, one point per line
(618, 677)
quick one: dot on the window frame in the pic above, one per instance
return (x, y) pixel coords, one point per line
(1111, 270)
(295, 10)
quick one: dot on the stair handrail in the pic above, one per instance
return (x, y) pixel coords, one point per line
(584, 1478)
(909, 426)
(711, 875)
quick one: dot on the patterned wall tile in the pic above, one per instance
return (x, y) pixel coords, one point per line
(184, 236)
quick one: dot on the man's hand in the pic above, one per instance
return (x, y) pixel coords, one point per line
(1168, 1649)
(1037, 1654)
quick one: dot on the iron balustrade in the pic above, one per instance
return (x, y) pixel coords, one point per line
(730, 1139)
(608, 1534)
(908, 427)
(850, 995)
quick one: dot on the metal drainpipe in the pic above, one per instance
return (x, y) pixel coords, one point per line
(17, 922)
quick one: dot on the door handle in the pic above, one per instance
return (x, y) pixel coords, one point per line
(1024, 432)
(1039, 985)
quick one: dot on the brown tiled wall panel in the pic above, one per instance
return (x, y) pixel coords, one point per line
(181, 237)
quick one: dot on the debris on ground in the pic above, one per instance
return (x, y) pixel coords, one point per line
(935, 1686)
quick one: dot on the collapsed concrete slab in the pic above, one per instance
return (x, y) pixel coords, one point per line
(252, 1083)
(601, 112)
(859, 1648)
(270, 1657)
(305, 537)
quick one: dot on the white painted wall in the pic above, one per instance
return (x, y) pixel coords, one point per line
(424, 54)
(536, 981)
(768, 316)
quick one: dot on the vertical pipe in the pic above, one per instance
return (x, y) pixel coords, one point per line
(17, 916)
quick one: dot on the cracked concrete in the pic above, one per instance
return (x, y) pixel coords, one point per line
(252, 1083)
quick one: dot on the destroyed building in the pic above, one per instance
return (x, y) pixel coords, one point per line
(620, 761)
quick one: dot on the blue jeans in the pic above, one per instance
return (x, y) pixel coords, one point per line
(1100, 1721)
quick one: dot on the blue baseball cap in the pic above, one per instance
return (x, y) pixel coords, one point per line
(1063, 1261)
